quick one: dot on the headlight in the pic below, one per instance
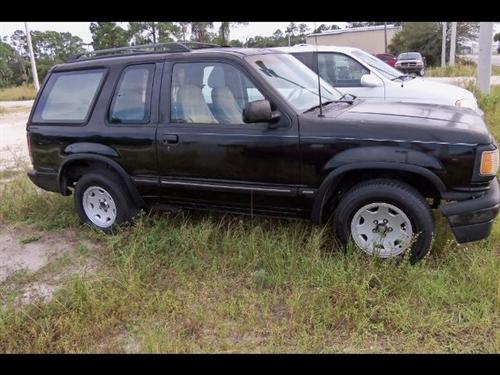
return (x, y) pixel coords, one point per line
(489, 163)
(467, 103)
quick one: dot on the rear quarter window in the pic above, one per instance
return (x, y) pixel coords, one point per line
(68, 96)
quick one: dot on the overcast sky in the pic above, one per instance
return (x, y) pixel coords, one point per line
(240, 32)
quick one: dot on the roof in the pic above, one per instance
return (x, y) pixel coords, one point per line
(355, 30)
(314, 48)
(163, 50)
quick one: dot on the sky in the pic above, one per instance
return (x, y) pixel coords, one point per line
(240, 32)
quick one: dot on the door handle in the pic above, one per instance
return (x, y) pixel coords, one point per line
(170, 138)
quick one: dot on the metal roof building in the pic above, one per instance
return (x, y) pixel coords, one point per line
(369, 38)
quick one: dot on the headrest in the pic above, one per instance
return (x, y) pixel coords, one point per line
(217, 77)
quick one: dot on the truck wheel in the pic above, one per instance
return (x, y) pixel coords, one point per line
(386, 218)
(421, 72)
(102, 202)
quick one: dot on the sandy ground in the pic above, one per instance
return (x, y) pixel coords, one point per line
(34, 264)
(13, 146)
(30, 261)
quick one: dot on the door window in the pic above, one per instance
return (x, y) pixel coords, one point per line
(210, 93)
(68, 96)
(131, 101)
(340, 70)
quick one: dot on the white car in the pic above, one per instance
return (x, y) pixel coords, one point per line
(357, 72)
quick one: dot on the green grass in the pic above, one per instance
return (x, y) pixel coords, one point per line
(17, 93)
(194, 282)
(459, 70)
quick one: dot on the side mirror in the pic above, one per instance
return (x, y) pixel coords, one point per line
(259, 111)
(369, 80)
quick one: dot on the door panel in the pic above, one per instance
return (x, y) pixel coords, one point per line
(208, 155)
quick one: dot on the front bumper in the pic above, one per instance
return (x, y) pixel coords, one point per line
(409, 69)
(472, 219)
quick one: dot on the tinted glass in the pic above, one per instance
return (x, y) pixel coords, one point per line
(210, 93)
(131, 102)
(67, 97)
(340, 70)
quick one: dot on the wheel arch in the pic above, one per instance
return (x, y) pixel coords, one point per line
(85, 161)
(348, 175)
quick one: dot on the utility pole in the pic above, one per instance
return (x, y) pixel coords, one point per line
(453, 43)
(385, 36)
(32, 57)
(484, 57)
(443, 46)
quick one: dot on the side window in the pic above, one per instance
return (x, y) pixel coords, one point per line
(132, 99)
(210, 93)
(68, 96)
(340, 70)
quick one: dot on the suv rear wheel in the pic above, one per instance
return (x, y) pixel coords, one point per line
(386, 218)
(102, 202)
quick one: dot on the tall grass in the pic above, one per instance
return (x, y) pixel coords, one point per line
(459, 70)
(17, 93)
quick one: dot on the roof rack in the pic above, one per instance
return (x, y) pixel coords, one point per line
(142, 49)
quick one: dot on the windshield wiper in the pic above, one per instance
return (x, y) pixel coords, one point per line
(339, 100)
(322, 104)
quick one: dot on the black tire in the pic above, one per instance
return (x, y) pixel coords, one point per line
(394, 192)
(111, 183)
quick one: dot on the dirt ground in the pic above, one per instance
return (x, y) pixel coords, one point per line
(34, 264)
(13, 146)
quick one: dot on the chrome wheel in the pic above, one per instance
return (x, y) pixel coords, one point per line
(99, 206)
(381, 229)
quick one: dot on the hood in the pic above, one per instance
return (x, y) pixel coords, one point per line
(423, 88)
(414, 122)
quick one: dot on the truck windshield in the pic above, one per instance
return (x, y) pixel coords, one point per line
(409, 56)
(294, 81)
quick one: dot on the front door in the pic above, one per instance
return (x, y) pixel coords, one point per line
(344, 73)
(209, 156)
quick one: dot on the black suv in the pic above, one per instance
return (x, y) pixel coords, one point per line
(244, 130)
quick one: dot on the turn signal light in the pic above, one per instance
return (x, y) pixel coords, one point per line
(489, 163)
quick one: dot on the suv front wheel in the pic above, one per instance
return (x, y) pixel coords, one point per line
(102, 202)
(386, 218)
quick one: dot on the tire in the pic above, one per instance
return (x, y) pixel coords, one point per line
(407, 211)
(115, 207)
(421, 72)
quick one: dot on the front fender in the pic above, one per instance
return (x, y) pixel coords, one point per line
(350, 165)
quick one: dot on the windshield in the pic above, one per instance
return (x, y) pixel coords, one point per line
(294, 81)
(382, 67)
(409, 56)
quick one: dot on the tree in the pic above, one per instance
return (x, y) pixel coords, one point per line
(426, 38)
(324, 27)
(108, 35)
(303, 29)
(224, 31)
(9, 65)
(49, 48)
(291, 29)
(154, 32)
(200, 33)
